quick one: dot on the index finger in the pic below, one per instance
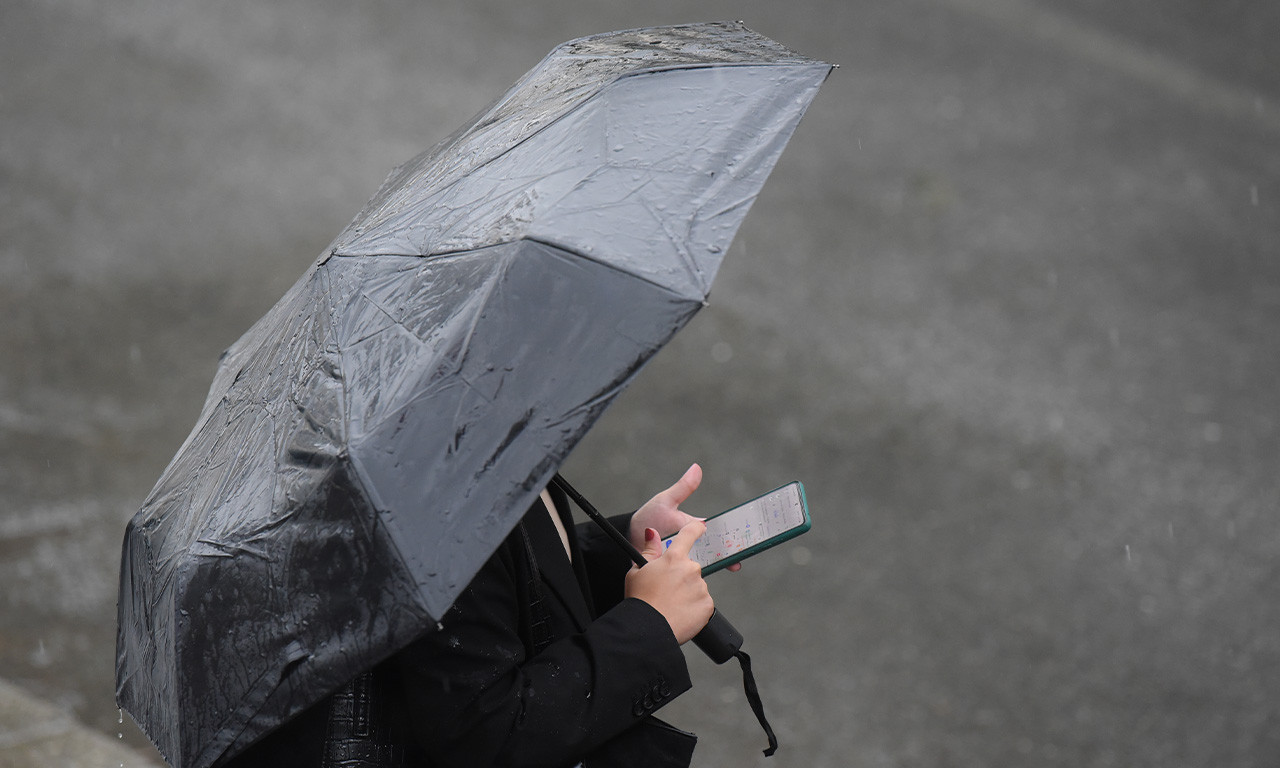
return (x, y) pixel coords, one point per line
(683, 542)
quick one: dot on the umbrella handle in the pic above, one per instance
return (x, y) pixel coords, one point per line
(720, 640)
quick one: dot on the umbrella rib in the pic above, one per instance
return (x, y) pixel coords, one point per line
(455, 365)
(607, 265)
(378, 305)
(460, 252)
(690, 265)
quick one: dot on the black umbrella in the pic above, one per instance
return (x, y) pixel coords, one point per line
(368, 443)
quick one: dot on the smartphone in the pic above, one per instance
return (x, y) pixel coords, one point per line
(742, 531)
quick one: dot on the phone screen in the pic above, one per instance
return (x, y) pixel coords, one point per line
(748, 528)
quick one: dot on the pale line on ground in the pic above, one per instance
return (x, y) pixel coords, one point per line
(1174, 77)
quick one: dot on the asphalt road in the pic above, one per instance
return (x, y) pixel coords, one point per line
(1008, 306)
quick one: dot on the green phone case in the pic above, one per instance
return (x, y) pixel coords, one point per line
(786, 535)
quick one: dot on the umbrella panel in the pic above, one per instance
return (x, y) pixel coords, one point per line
(555, 340)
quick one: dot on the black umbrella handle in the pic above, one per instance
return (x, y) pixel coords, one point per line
(719, 639)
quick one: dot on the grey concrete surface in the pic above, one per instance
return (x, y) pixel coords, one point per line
(36, 734)
(1008, 306)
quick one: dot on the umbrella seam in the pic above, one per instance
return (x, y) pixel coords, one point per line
(365, 222)
(539, 241)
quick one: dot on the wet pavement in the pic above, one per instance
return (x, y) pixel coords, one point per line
(1008, 307)
(37, 734)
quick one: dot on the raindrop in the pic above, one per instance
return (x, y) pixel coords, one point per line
(789, 430)
(41, 657)
(1128, 553)
(1253, 195)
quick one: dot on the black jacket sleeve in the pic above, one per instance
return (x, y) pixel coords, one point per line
(477, 697)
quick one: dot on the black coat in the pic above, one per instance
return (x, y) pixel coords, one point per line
(494, 686)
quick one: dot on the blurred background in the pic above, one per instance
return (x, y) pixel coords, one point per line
(1008, 307)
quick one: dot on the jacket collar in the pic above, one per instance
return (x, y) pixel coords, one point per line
(567, 581)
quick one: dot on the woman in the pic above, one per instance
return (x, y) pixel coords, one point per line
(560, 649)
(557, 653)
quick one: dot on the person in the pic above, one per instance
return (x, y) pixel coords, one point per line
(557, 653)
(560, 649)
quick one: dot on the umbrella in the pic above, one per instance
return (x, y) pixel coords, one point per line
(369, 442)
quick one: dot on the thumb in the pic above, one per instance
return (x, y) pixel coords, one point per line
(652, 545)
(685, 486)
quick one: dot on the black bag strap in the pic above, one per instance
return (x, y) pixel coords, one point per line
(536, 618)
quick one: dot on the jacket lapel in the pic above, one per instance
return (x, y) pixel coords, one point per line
(557, 572)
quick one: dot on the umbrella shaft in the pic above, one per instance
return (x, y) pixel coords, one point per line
(599, 520)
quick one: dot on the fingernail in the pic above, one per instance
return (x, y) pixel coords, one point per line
(650, 534)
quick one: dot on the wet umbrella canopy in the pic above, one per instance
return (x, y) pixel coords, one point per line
(369, 442)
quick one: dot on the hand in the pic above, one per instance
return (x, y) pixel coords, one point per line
(672, 583)
(662, 513)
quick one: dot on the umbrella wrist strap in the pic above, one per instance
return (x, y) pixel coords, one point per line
(753, 698)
